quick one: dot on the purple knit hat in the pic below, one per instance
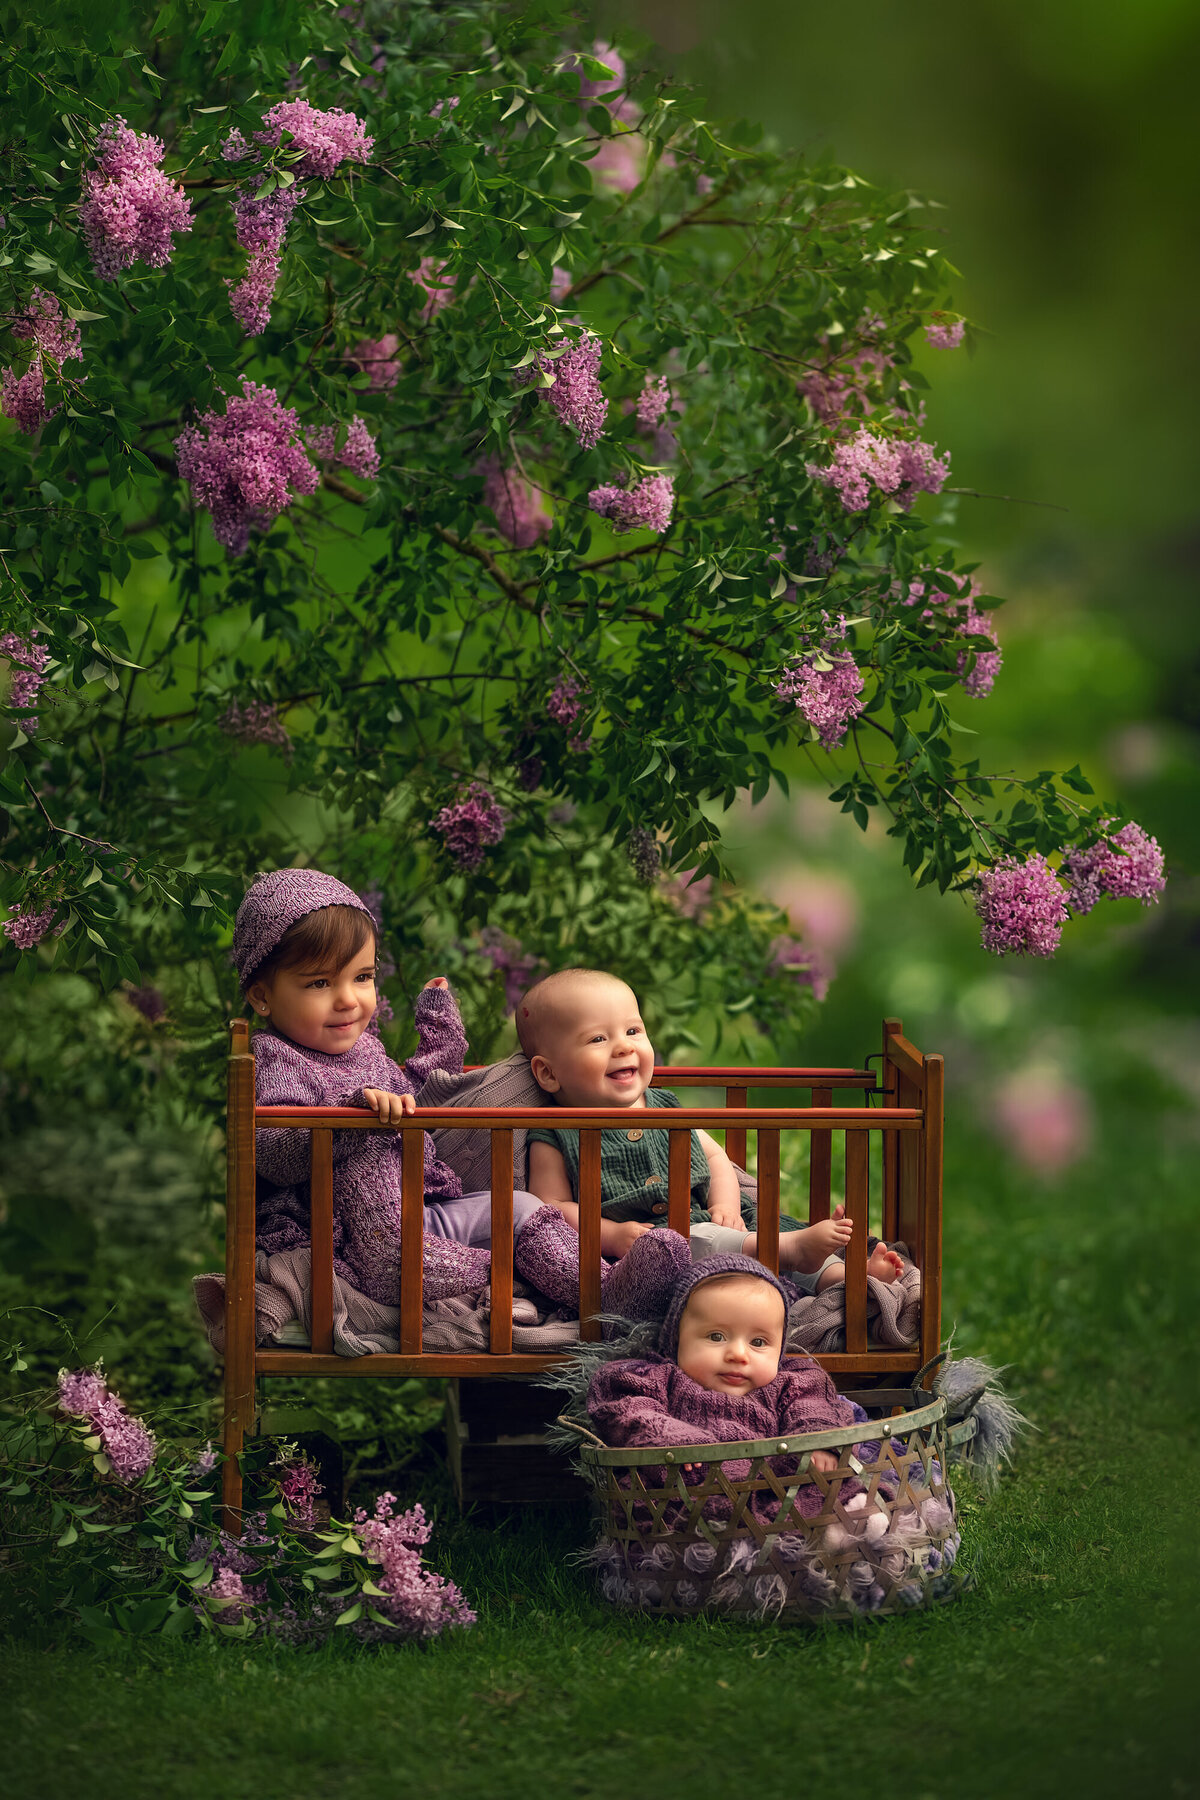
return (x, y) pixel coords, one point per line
(276, 902)
(708, 1269)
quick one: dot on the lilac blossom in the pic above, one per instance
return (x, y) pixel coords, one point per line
(204, 1463)
(945, 334)
(325, 140)
(23, 398)
(226, 1592)
(890, 465)
(415, 1600)
(689, 893)
(575, 392)
(130, 209)
(565, 703)
(1124, 865)
(646, 506)
(473, 823)
(620, 162)
(811, 966)
(441, 108)
(824, 684)
(517, 967)
(378, 360)
(25, 928)
(298, 1484)
(644, 854)
(530, 770)
(979, 680)
(261, 228)
(236, 147)
(149, 1002)
(613, 60)
(653, 402)
(430, 276)
(127, 1443)
(1023, 906)
(561, 282)
(247, 465)
(359, 451)
(1044, 1119)
(255, 722)
(27, 659)
(521, 513)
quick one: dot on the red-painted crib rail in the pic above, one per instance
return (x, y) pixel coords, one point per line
(909, 1119)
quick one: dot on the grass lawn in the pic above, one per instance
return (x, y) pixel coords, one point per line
(1067, 1668)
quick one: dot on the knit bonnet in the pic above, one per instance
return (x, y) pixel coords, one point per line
(708, 1269)
(276, 902)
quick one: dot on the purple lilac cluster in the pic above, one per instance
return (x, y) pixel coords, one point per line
(825, 685)
(255, 722)
(246, 465)
(646, 506)
(261, 227)
(415, 1600)
(645, 856)
(25, 928)
(298, 1485)
(575, 393)
(1023, 906)
(812, 968)
(27, 660)
(204, 1463)
(430, 276)
(653, 404)
(945, 334)
(560, 284)
(149, 1002)
(518, 969)
(521, 513)
(689, 893)
(23, 397)
(566, 702)
(621, 159)
(385, 963)
(839, 388)
(442, 107)
(357, 452)
(125, 1441)
(472, 824)
(325, 140)
(130, 209)
(977, 669)
(897, 466)
(1124, 865)
(378, 360)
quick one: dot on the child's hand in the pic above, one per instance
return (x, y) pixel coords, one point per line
(391, 1108)
(437, 981)
(824, 1460)
(727, 1212)
(618, 1236)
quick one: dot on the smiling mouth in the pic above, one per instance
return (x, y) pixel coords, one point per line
(623, 1075)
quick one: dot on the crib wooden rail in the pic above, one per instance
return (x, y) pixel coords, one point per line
(908, 1119)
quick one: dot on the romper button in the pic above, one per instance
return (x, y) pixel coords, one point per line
(659, 1207)
(633, 1136)
(652, 1181)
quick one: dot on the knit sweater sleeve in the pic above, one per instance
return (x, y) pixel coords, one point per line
(808, 1400)
(629, 1404)
(284, 1076)
(441, 1040)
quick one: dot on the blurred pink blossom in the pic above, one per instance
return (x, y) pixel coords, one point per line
(1044, 1118)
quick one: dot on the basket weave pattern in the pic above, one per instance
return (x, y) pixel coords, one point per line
(758, 1531)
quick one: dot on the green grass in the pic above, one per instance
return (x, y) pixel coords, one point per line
(1068, 1667)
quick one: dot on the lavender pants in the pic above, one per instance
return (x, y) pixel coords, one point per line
(469, 1220)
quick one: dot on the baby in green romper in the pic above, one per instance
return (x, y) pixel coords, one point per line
(587, 1046)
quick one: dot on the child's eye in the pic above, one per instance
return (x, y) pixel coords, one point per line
(632, 1030)
(319, 982)
(367, 975)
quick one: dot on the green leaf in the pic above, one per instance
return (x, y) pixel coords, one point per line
(69, 1536)
(350, 1615)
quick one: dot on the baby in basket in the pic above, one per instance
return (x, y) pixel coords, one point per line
(720, 1374)
(587, 1046)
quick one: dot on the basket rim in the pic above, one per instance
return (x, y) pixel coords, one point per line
(789, 1443)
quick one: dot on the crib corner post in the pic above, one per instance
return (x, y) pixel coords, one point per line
(238, 1403)
(931, 1207)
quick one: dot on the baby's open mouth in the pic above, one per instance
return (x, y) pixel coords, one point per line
(622, 1075)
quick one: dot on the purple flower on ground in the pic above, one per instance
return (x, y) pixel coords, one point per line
(507, 957)
(890, 465)
(576, 394)
(811, 967)
(255, 722)
(82, 1391)
(645, 857)
(298, 1485)
(26, 659)
(646, 506)
(25, 930)
(149, 1002)
(1126, 865)
(473, 823)
(325, 139)
(359, 451)
(378, 360)
(127, 1443)
(565, 703)
(521, 513)
(246, 465)
(825, 685)
(204, 1464)
(261, 228)
(430, 276)
(945, 334)
(415, 1600)
(130, 209)
(1023, 906)
(226, 1593)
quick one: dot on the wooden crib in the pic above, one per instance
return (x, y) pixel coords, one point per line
(903, 1104)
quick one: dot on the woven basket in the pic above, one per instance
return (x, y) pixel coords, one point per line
(885, 1537)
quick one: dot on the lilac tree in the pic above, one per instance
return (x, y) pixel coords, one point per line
(432, 449)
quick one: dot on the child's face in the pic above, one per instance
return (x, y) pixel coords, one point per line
(594, 1047)
(731, 1335)
(321, 1008)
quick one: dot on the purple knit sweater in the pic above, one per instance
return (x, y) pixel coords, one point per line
(366, 1165)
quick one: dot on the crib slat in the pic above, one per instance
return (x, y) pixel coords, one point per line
(321, 1238)
(679, 1182)
(856, 1256)
(239, 1275)
(412, 1224)
(931, 1222)
(768, 1200)
(891, 1142)
(908, 1172)
(502, 1243)
(735, 1136)
(820, 1167)
(589, 1236)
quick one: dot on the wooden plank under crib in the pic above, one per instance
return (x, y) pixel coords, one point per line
(902, 1105)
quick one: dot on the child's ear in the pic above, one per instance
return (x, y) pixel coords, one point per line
(259, 999)
(544, 1075)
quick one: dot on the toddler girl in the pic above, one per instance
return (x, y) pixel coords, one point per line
(304, 946)
(587, 1046)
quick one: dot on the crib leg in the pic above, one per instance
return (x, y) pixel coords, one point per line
(238, 1411)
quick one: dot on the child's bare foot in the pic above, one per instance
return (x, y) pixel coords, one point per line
(806, 1250)
(884, 1264)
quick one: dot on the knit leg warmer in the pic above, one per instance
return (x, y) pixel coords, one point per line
(546, 1255)
(640, 1286)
